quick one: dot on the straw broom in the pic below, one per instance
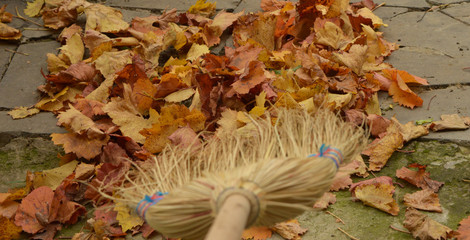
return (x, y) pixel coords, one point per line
(279, 183)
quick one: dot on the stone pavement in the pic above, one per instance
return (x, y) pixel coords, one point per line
(433, 44)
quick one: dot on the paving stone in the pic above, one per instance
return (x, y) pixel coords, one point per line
(459, 11)
(386, 12)
(450, 100)
(128, 15)
(180, 5)
(17, 23)
(406, 3)
(437, 2)
(41, 124)
(5, 56)
(18, 86)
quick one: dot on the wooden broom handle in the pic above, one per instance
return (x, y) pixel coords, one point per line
(231, 219)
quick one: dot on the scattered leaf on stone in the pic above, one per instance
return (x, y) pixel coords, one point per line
(325, 200)
(464, 229)
(423, 200)
(289, 229)
(399, 89)
(419, 178)
(423, 227)
(203, 8)
(5, 17)
(377, 195)
(382, 150)
(257, 233)
(9, 33)
(22, 112)
(450, 122)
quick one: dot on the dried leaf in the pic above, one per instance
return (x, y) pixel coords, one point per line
(84, 171)
(34, 210)
(8, 208)
(8, 229)
(257, 233)
(196, 51)
(73, 51)
(77, 122)
(290, 229)
(325, 200)
(464, 229)
(53, 177)
(81, 145)
(342, 180)
(449, 122)
(180, 95)
(127, 219)
(22, 112)
(203, 8)
(104, 19)
(353, 59)
(5, 17)
(419, 178)
(378, 195)
(410, 130)
(9, 33)
(423, 227)
(424, 200)
(61, 16)
(331, 35)
(253, 75)
(33, 8)
(400, 91)
(377, 124)
(384, 148)
(184, 137)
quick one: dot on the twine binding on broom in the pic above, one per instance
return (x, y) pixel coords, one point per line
(147, 202)
(329, 152)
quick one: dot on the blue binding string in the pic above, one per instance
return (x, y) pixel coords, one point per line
(329, 152)
(147, 202)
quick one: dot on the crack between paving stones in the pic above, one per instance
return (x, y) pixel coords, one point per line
(446, 14)
(152, 10)
(8, 64)
(442, 86)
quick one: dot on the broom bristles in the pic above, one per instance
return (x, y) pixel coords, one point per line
(285, 134)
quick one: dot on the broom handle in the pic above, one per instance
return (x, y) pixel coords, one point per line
(231, 219)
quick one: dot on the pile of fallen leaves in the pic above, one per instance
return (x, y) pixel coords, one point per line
(124, 91)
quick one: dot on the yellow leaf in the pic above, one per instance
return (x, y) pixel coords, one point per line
(9, 33)
(422, 226)
(378, 195)
(261, 99)
(180, 95)
(353, 59)
(77, 122)
(196, 51)
(8, 229)
(55, 64)
(373, 105)
(33, 8)
(383, 150)
(57, 102)
(126, 218)
(22, 112)
(53, 177)
(257, 233)
(410, 130)
(257, 111)
(290, 229)
(331, 35)
(367, 13)
(72, 52)
(228, 121)
(203, 8)
(104, 19)
(339, 100)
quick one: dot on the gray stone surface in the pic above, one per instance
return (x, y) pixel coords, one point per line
(128, 15)
(180, 5)
(405, 3)
(18, 86)
(41, 124)
(459, 11)
(450, 100)
(5, 56)
(386, 12)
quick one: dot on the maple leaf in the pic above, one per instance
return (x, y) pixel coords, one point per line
(423, 227)
(221, 21)
(84, 171)
(8, 229)
(69, 32)
(34, 210)
(104, 19)
(424, 200)
(81, 145)
(382, 150)
(58, 100)
(9, 33)
(171, 118)
(5, 17)
(378, 195)
(257, 233)
(203, 8)
(22, 112)
(419, 178)
(61, 16)
(127, 219)
(353, 59)
(289, 229)
(325, 200)
(33, 8)
(450, 122)
(464, 229)
(331, 35)
(341, 180)
(400, 91)
(253, 75)
(106, 221)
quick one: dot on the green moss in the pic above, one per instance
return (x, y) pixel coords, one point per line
(447, 162)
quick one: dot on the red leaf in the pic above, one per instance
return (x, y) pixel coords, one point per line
(34, 210)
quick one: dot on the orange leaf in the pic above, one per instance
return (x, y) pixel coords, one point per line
(253, 75)
(81, 145)
(325, 200)
(8, 230)
(464, 229)
(33, 212)
(290, 229)
(257, 233)
(400, 91)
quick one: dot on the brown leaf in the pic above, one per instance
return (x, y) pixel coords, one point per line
(257, 233)
(419, 178)
(34, 210)
(8, 229)
(382, 180)
(184, 137)
(410, 130)
(84, 171)
(8, 208)
(81, 145)
(423, 227)
(60, 17)
(76, 73)
(424, 200)
(342, 180)
(253, 75)
(69, 32)
(325, 200)
(289, 229)
(63, 210)
(77, 122)
(378, 195)
(377, 124)
(5, 17)
(449, 122)
(464, 229)
(384, 148)
(9, 33)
